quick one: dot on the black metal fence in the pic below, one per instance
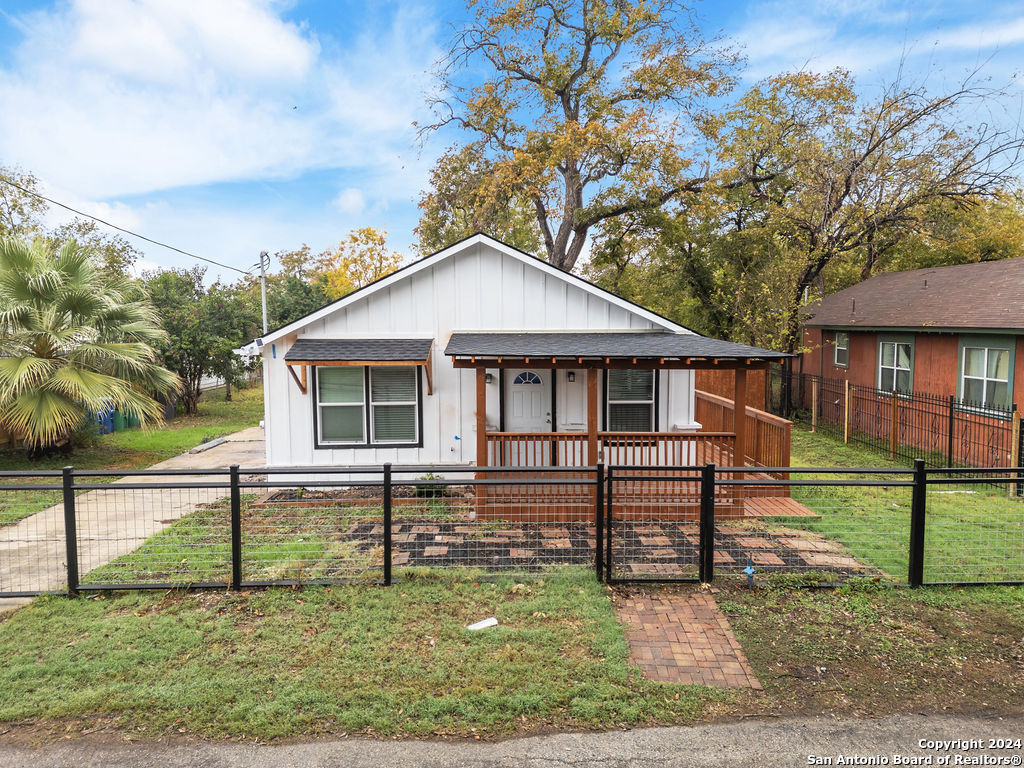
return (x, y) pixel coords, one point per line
(74, 531)
(944, 430)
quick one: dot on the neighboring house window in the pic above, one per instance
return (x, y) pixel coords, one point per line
(842, 350)
(630, 401)
(340, 398)
(894, 366)
(378, 405)
(986, 377)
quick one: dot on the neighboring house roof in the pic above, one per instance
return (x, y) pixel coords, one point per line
(647, 344)
(986, 295)
(372, 350)
(434, 258)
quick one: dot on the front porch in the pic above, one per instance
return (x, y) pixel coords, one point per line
(717, 432)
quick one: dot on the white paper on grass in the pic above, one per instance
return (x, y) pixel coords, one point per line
(490, 622)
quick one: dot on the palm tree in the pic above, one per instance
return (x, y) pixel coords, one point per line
(72, 340)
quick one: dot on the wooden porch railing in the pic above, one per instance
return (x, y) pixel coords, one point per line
(768, 435)
(537, 449)
(569, 449)
(670, 495)
(666, 449)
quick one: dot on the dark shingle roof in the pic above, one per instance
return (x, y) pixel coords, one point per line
(989, 294)
(599, 344)
(324, 350)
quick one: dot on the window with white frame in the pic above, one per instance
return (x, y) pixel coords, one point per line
(378, 405)
(630, 398)
(985, 381)
(895, 359)
(841, 357)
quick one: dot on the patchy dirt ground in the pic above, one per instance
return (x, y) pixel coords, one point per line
(871, 650)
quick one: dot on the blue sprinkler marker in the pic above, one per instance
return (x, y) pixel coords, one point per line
(749, 570)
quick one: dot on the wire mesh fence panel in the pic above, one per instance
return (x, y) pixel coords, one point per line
(152, 534)
(824, 532)
(654, 523)
(508, 521)
(32, 545)
(942, 429)
(315, 534)
(974, 532)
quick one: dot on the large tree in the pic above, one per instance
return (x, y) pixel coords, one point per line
(462, 199)
(20, 207)
(588, 109)
(203, 327)
(842, 187)
(863, 174)
(114, 253)
(359, 259)
(72, 340)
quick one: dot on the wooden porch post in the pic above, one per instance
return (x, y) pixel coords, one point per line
(739, 415)
(481, 417)
(481, 438)
(591, 416)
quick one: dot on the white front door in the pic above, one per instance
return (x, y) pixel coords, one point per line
(527, 401)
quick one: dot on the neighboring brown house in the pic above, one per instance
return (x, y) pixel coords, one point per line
(945, 330)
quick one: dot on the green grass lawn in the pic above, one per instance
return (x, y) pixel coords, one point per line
(132, 448)
(973, 532)
(353, 659)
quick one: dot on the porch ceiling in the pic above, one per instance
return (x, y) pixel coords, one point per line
(590, 348)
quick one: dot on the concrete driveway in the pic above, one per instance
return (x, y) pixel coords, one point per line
(113, 522)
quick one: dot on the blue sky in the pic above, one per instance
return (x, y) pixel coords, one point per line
(226, 127)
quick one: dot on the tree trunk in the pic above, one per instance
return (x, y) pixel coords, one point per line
(227, 389)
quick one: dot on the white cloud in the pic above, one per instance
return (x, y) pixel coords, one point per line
(123, 97)
(871, 38)
(976, 37)
(164, 39)
(350, 201)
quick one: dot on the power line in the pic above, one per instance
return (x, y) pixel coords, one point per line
(121, 229)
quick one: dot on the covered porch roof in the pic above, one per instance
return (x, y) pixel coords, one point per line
(589, 349)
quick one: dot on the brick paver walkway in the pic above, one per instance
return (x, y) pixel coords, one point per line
(684, 638)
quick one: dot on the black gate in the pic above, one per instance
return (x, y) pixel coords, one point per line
(647, 536)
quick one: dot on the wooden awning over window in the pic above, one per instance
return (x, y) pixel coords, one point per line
(361, 352)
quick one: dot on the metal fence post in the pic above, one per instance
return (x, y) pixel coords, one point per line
(387, 524)
(915, 575)
(236, 529)
(70, 531)
(952, 416)
(608, 527)
(599, 521)
(706, 560)
(1016, 441)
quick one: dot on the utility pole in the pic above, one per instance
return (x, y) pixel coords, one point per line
(264, 258)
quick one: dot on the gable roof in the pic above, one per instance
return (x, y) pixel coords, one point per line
(478, 239)
(988, 294)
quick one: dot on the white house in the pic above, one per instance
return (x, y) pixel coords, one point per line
(482, 354)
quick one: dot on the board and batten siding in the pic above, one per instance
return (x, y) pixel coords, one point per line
(477, 289)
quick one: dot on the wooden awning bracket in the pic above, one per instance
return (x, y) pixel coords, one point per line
(302, 365)
(300, 383)
(428, 368)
